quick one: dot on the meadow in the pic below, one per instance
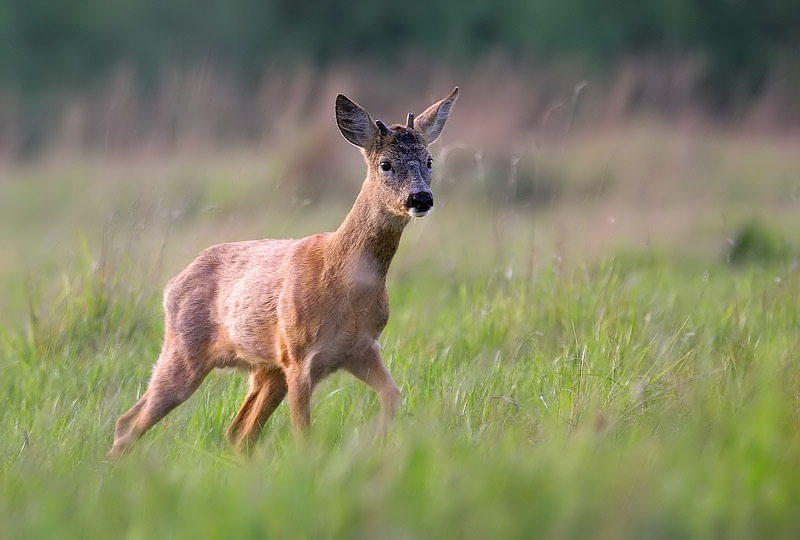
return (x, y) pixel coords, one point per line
(597, 340)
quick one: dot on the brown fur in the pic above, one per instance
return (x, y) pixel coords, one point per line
(290, 312)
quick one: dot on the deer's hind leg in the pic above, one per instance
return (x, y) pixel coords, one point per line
(267, 390)
(174, 379)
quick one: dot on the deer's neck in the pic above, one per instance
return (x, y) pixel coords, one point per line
(369, 233)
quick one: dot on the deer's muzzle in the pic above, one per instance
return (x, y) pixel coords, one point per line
(418, 204)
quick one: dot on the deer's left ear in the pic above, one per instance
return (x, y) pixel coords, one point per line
(354, 122)
(432, 121)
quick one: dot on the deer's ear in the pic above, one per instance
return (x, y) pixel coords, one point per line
(432, 121)
(354, 122)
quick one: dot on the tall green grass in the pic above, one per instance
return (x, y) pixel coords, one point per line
(639, 396)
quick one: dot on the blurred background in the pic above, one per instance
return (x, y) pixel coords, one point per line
(159, 127)
(120, 75)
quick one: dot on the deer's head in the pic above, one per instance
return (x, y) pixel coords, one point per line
(398, 160)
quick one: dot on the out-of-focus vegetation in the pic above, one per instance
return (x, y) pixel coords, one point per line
(46, 42)
(57, 59)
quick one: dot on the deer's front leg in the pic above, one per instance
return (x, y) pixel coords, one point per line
(369, 367)
(299, 390)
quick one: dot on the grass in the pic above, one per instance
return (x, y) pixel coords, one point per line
(645, 392)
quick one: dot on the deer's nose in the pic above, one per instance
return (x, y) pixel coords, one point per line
(420, 202)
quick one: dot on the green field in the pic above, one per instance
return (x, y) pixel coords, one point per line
(589, 367)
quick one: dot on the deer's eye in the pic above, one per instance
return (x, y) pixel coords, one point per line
(430, 163)
(386, 166)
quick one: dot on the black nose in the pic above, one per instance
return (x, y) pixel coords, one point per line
(421, 201)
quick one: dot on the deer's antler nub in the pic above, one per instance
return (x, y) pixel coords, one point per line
(383, 128)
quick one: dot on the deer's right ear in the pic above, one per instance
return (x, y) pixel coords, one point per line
(432, 121)
(354, 122)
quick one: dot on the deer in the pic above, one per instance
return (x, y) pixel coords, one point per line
(292, 311)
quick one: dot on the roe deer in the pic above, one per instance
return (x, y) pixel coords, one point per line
(290, 312)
